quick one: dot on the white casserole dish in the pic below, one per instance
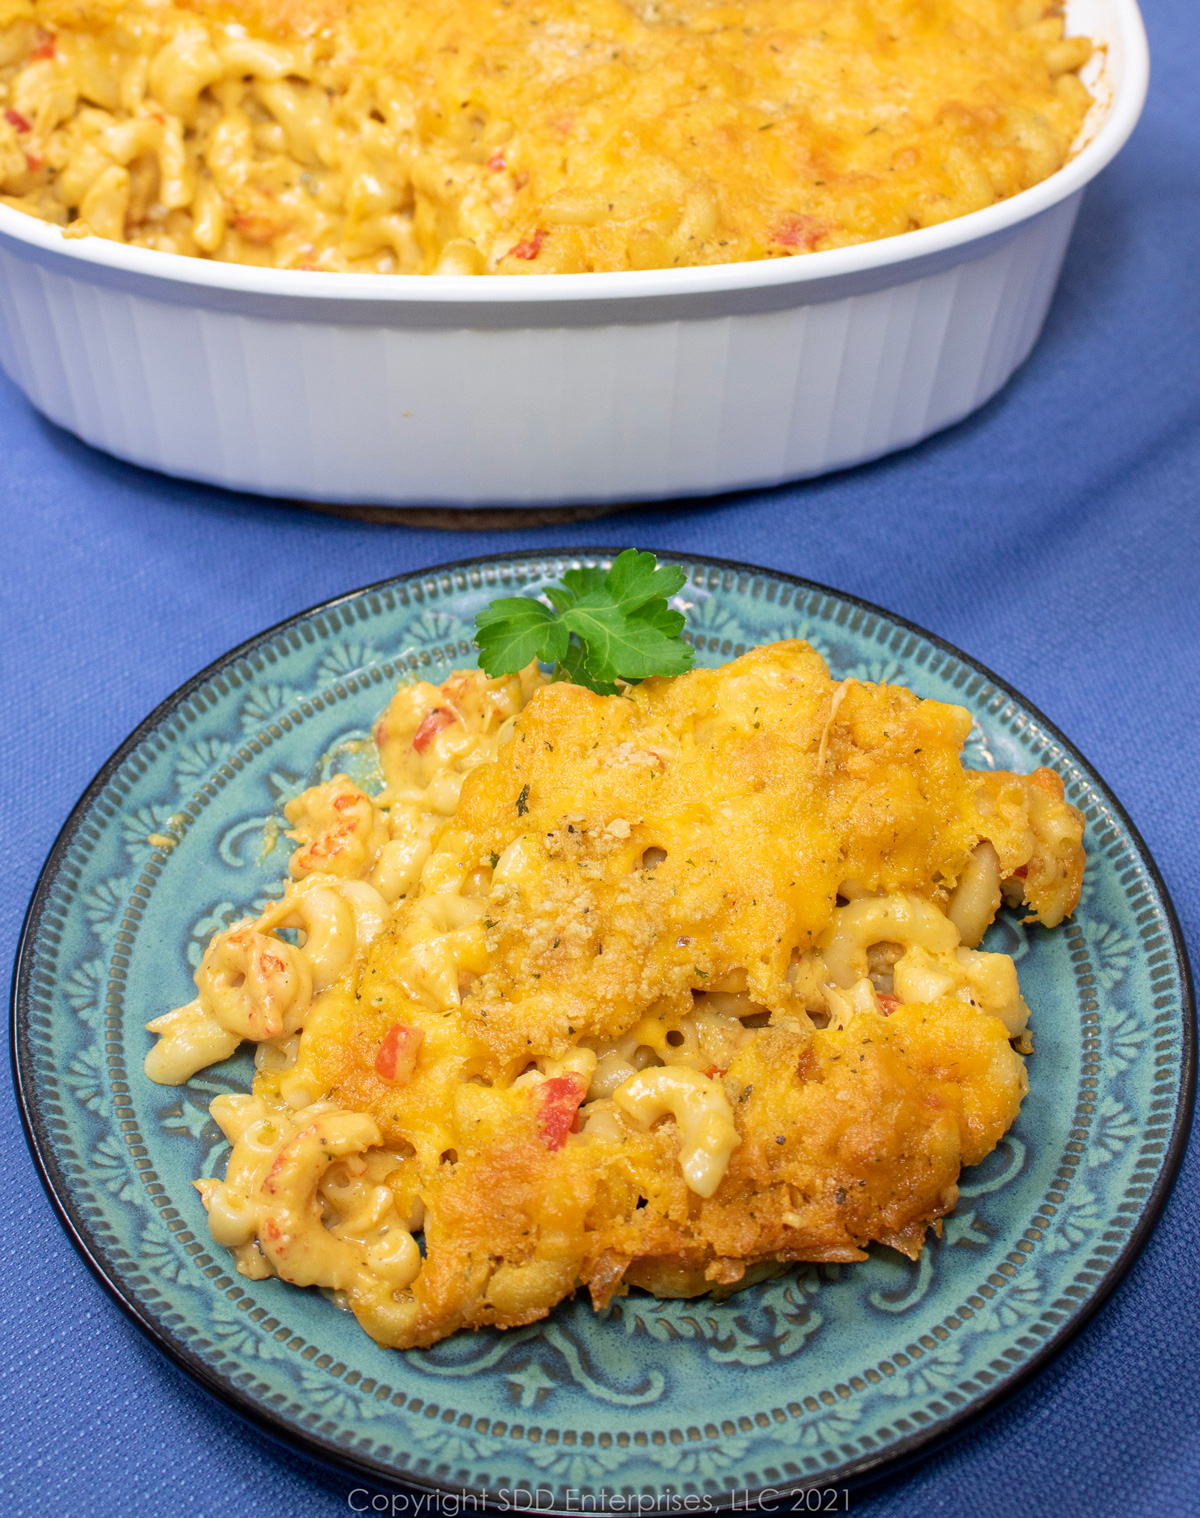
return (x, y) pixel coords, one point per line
(550, 389)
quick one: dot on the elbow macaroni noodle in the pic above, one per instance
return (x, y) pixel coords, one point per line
(703, 1116)
(387, 1074)
(528, 137)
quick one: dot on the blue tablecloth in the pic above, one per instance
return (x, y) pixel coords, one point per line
(1055, 536)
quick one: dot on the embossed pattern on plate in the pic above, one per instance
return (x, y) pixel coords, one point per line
(809, 1379)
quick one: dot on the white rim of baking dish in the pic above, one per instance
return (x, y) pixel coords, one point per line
(204, 274)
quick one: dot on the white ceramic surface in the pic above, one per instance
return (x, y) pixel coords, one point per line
(549, 389)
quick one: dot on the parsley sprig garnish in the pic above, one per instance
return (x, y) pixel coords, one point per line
(598, 628)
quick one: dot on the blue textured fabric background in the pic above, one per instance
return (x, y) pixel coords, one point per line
(1055, 536)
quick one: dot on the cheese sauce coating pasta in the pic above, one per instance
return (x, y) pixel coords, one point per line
(669, 989)
(526, 136)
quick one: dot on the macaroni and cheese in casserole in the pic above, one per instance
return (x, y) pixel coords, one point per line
(669, 989)
(526, 136)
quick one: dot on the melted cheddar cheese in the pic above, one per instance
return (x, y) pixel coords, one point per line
(526, 136)
(668, 989)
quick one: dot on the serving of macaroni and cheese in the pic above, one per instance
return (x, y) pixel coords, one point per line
(669, 989)
(526, 136)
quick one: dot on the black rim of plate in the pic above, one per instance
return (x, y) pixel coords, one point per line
(264, 1419)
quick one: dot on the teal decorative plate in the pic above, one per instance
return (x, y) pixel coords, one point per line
(802, 1382)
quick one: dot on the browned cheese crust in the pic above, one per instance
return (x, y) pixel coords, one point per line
(527, 136)
(655, 863)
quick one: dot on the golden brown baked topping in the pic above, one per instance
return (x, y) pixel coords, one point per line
(667, 989)
(527, 136)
